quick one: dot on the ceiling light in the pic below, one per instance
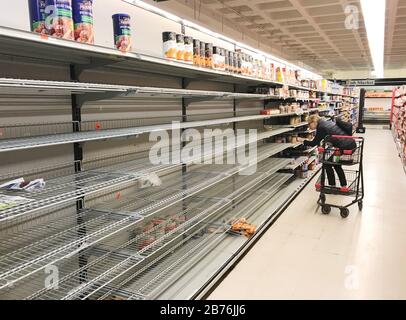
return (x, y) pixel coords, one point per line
(374, 17)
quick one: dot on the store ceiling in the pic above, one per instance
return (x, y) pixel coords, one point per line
(313, 31)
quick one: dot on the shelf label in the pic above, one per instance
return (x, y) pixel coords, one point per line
(360, 82)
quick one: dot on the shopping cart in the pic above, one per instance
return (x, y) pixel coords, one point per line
(332, 156)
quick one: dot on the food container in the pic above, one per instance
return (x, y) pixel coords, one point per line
(122, 32)
(226, 60)
(180, 43)
(294, 139)
(202, 54)
(83, 21)
(196, 52)
(209, 55)
(37, 16)
(188, 56)
(216, 58)
(59, 20)
(231, 61)
(170, 47)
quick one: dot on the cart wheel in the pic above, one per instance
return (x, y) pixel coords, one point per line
(360, 205)
(322, 198)
(325, 209)
(344, 212)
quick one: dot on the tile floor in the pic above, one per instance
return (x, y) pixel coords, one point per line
(307, 255)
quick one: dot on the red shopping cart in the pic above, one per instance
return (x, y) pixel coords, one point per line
(335, 158)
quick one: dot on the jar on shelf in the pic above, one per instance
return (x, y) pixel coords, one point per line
(202, 54)
(180, 42)
(209, 55)
(196, 52)
(188, 55)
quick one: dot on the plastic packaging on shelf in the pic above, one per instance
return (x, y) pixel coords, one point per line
(59, 20)
(22, 185)
(122, 32)
(37, 16)
(83, 21)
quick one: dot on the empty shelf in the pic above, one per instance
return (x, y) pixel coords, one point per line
(66, 138)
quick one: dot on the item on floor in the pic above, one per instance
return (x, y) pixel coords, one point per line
(59, 20)
(170, 46)
(83, 21)
(122, 32)
(37, 16)
(241, 225)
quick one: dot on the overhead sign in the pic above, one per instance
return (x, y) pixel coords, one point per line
(360, 83)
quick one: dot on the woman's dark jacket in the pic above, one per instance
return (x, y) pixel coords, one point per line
(329, 128)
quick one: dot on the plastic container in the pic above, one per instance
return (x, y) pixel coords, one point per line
(59, 21)
(83, 21)
(37, 16)
(170, 47)
(188, 56)
(202, 54)
(180, 42)
(196, 52)
(209, 55)
(122, 32)
(216, 58)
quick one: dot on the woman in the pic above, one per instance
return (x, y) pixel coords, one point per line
(326, 128)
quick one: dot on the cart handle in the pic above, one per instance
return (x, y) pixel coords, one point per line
(346, 137)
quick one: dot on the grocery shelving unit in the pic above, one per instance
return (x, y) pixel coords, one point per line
(95, 220)
(398, 122)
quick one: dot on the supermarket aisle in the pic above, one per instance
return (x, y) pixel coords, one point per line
(306, 255)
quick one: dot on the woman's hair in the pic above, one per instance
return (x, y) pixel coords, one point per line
(314, 118)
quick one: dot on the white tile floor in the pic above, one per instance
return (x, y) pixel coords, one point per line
(307, 255)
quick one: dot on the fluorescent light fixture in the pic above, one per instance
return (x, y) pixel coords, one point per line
(170, 16)
(374, 17)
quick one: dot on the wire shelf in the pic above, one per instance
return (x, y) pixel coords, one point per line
(197, 208)
(40, 87)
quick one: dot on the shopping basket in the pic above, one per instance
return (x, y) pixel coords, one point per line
(332, 157)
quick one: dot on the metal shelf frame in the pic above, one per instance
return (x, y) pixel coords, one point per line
(57, 247)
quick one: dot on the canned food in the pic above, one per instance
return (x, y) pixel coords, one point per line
(83, 21)
(222, 59)
(188, 56)
(226, 60)
(122, 32)
(58, 19)
(209, 55)
(37, 16)
(196, 52)
(180, 42)
(170, 47)
(216, 58)
(202, 54)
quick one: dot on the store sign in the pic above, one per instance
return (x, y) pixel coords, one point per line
(360, 82)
